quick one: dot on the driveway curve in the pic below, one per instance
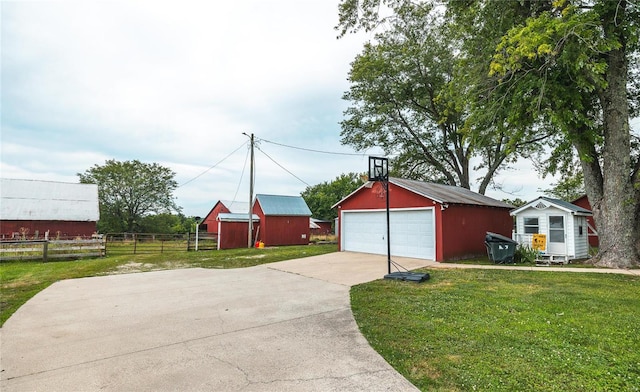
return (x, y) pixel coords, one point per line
(283, 326)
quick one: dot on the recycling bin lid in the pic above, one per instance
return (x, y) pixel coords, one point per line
(493, 237)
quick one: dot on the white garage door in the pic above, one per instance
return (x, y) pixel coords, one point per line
(412, 232)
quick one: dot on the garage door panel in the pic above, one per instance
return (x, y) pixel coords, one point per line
(411, 232)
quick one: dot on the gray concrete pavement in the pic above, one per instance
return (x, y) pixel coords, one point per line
(265, 328)
(283, 326)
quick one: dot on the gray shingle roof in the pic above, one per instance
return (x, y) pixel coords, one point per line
(283, 205)
(447, 193)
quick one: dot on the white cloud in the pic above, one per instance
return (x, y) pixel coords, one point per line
(176, 83)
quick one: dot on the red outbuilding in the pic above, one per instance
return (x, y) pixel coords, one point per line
(224, 207)
(427, 221)
(233, 230)
(284, 220)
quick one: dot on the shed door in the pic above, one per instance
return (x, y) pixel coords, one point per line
(412, 232)
(556, 243)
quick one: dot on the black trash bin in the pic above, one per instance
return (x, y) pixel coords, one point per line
(500, 249)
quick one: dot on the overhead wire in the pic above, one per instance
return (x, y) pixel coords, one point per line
(282, 167)
(216, 164)
(312, 150)
(244, 167)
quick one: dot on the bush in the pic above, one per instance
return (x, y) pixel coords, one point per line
(525, 254)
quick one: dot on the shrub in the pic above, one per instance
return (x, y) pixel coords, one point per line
(525, 254)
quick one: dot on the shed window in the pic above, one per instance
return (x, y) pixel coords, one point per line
(531, 226)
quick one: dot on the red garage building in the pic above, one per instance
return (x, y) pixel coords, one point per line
(428, 221)
(284, 220)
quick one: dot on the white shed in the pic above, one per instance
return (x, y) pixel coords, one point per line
(562, 224)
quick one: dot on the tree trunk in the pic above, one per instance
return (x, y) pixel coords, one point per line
(616, 210)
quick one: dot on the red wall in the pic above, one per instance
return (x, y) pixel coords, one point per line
(325, 228)
(464, 228)
(460, 229)
(234, 235)
(282, 230)
(593, 238)
(65, 228)
(211, 219)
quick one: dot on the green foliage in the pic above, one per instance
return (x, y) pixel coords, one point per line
(322, 196)
(568, 188)
(407, 97)
(167, 224)
(130, 191)
(490, 330)
(517, 202)
(525, 254)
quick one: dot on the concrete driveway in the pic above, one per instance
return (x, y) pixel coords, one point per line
(277, 327)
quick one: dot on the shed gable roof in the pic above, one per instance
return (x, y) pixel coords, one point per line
(48, 200)
(283, 205)
(544, 202)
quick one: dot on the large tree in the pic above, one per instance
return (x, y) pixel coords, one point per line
(129, 191)
(559, 70)
(575, 61)
(322, 196)
(406, 98)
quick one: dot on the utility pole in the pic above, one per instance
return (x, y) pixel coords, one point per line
(250, 232)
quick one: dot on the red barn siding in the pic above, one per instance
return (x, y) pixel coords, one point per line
(374, 198)
(460, 230)
(233, 235)
(55, 228)
(464, 229)
(211, 220)
(282, 230)
(593, 237)
(325, 228)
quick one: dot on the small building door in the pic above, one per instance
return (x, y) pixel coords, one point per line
(556, 242)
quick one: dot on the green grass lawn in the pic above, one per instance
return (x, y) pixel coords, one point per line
(21, 280)
(496, 330)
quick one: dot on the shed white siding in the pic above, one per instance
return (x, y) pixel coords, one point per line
(575, 245)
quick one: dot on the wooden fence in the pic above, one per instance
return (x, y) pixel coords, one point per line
(51, 249)
(113, 244)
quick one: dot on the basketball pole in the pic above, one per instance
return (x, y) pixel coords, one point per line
(385, 182)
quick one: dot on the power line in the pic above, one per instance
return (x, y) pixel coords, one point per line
(282, 167)
(311, 150)
(219, 162)
(246, 157)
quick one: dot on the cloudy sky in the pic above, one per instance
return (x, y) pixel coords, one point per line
(178, 83)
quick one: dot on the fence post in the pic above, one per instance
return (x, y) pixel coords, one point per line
(188, 241)
(135, 243)
(45, 248)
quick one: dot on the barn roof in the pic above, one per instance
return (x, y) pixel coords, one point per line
(48, 200)
(283, 205)
(237, 217)
(236, 207)
(443, 194)
(561, 204)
